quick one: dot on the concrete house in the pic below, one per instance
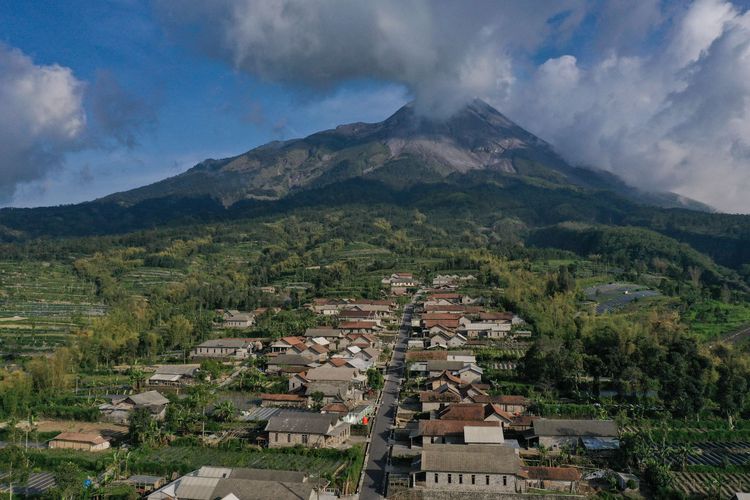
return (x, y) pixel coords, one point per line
(289, 363)
(469, 468)
(314, 430)
(229, 348)
(285, 343)
(556, 433)
(237, 319)
(79, 441)
(453, 432)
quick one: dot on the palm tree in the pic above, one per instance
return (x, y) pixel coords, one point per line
(225, 411)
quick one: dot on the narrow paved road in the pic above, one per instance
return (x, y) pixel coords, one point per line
(372, 487)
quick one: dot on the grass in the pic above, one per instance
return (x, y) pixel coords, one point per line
(187, 458)
(713, 319)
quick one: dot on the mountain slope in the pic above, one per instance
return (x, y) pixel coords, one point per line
(405, 149)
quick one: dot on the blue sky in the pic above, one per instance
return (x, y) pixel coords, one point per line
(146, 89)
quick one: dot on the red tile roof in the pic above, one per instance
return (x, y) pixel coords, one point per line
(357, 325)
(80, 437)
(433, 316)
(554, 473)
(282, 397)
(492, 316)
(437, 397)
(463, 411)
(426, 355)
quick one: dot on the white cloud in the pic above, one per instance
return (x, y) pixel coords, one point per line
(42, 118)
(676, 118)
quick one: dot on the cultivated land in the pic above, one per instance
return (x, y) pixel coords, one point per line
(119, 312)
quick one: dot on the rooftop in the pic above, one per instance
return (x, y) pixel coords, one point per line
(488, 459)
(555, 427)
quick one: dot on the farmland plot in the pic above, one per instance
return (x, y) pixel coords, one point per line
(710, 483)
(41, 304)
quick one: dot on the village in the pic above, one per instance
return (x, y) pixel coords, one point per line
(409, 381)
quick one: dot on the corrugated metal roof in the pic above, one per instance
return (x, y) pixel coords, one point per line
(483, 435)
(196, 488)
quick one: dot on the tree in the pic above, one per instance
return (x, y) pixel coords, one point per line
(144, 430)
(317, 399)
(225, 411)
(69, 479)
(732, 384)
(15, 463)
(375, 379)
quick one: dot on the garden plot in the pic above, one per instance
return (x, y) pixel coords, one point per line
(718, 484)
(143, 279)
(41, 304)
(720, 454)
(615, 296)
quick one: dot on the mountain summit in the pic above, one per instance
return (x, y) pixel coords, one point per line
(405, 149)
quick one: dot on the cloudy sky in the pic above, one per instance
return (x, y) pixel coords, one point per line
(105, 95)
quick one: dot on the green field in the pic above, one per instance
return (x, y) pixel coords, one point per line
(41, 303)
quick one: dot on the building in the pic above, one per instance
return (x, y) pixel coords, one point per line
(289, 363)
(283, 400)
(469, 468)
(509, 403)
(143, 483)
(454, 432)
(314, 430)
(174, 375)
(237, 319)
(229, 348)
(210, 483)
(556, 433)
(119, 408)
(562, 479)
(79, 441)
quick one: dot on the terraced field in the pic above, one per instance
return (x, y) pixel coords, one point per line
(143, 279)
(41, 304)
(716, 484)
(720, 454)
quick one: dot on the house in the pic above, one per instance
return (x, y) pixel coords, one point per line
(356, 314)
(482, 434)
(509, 403)
(229, 348)
(469, 468)
(490, 331)
(446, 339)
(174, 375)
(290, 363)
(143, 483)
(331, 392)
(330, 334)
(415, 344)
(436, 367)
(327, 373)
(119, 408)
(326, 307)
(297, 381)
(465, 356)
(562, 479)
(79, 441)
(314, 352)
(463, 411)
(210, 483)
(285, 343)
(236, 319)
(470, 373)
(359, 327)
(437, 399)
(283, 401)
(313, 430)
(557, 433)
(451, 431)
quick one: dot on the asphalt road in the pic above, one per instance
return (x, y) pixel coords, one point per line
(373, 484)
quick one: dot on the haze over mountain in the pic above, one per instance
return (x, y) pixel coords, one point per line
(406, 149)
